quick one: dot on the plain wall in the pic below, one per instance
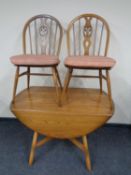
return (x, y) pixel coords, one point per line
(13, 15)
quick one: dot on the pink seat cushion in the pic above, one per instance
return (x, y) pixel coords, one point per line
(89, 62)
(34, 60)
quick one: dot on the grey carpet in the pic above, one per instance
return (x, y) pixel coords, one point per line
(110, 151)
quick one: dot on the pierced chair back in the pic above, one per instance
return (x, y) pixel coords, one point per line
(88, 34)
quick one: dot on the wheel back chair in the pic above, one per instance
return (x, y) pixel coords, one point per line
(87, 43)
(42, 37)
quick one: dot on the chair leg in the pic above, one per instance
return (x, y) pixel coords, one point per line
(108, 84)
(58, 77)
(100, 79)
(15, 83)
(66, 83)
(56, 86)
(32, 153)
(28, 77)
(86, 150)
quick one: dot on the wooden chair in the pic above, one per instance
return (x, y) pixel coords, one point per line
(87, 42)
(42, 37)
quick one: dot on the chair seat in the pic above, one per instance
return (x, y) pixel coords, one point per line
(34, 60)
(95, 62)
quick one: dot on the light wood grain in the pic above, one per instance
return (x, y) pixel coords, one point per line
(83, 112)
(86, 150)
(15, 83)
(35, 144)
(32, 152)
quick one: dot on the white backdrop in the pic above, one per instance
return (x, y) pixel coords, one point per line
(13, 15)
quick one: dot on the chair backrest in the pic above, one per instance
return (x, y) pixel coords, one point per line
(88, 34)
(42, 34)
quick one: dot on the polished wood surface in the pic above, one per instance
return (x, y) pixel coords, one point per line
(83, 111)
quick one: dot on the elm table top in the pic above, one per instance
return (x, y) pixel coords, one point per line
(84, 111)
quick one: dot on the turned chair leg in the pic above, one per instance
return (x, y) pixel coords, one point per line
(100, 80)
(15, 83)
(58, 77)
(109, 87)
(66, 83)
(108, 84)
(86, 150)
(28, 77)
(56, 81)
(32, 153)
